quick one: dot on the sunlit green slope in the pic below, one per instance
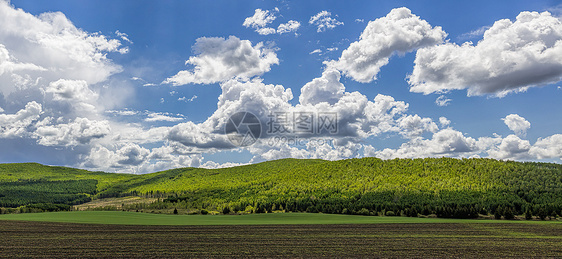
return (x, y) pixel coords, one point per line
(442, 186)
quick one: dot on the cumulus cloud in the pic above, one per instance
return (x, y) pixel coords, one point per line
(442, 101)
(74, 92)
(449, 142)
(549, 147)
(50, 47)
(126, 155)
(9, 64)
(56, 70)
(249, 96)
(446, 142)
(324, 21)
(324, 89)
(511, 57)
(263, 18)
(517, 124)
(260, 20)
(357, 117)
(70, 90)
(219, 59)
(17, 125)
(134, 158)
(444, 121)
(511, 147)
(413, 126)
(290, 26)
(78, 131)
(71, 62)
(399, 31)
(314, 149)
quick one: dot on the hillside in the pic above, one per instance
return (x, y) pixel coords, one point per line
(446, 187)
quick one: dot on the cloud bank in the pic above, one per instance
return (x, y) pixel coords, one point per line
(512, 57)
(398, 32)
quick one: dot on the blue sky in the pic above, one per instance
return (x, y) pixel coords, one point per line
(141, 86)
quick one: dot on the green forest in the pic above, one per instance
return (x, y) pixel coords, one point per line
(443, 187)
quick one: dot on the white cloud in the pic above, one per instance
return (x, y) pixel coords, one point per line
(324, 21)
(122, 112)
(290, 26)
(123, 36)
(157, 116)
(262, 18)
(324, 89)
(196, 138)
(400, 31)
(314, 149)
(442, 101)
(70, 90)
(133, 158)
(517, 124)
(215, 165)
(444, 121)
(138, 146)
(259, 21)
(79, 131)
(47, 59)
(511, 57)
(549, 147)
(16, 125)
(452, 143)
(511, 147)
(315, 51)
(9, 64)
(357, 116)
(219, 59)
(265, 31)
(101, 157)
(50, 47)
(75, 92)
(250, 96)
(414, 126)
(185, 99)
(446, 142)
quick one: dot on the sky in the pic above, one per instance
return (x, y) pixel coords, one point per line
(143, 86)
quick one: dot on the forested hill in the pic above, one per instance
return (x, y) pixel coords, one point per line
(443, 186)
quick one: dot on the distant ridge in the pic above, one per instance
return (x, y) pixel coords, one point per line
(446, 187)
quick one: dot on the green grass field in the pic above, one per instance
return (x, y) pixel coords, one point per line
(133, 218)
